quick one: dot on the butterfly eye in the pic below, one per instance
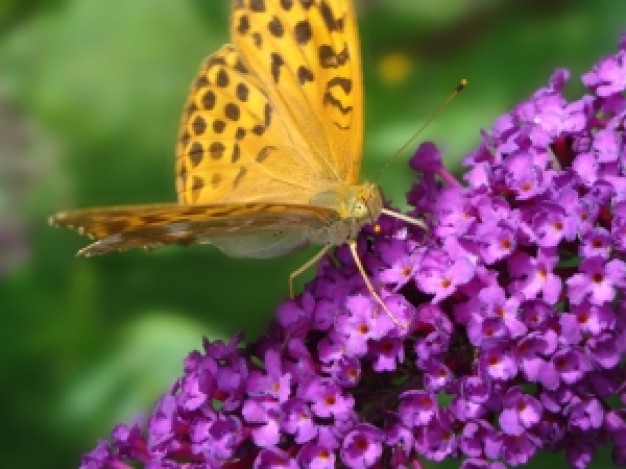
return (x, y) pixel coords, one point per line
(359, 209)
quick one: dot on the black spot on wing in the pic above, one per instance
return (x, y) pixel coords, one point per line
(344, 83)
(328, 58)
(219, 126)
(267, 115)
(332, 23)
(302, 32)
(258, 6)
(242, 92)
(216, 150)
(231, 110)
(196, 153)
(304, 75)
(208, 100)
(197, 183)
(199, 125)
(276, 28)
(236, 153)
(257, 38)
(330, 100)
(277, 62)
(216, 179)
(264, 153)
(239, 177)
(222, 78)
(244, 25)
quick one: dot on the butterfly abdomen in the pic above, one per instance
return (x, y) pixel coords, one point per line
(266, 245)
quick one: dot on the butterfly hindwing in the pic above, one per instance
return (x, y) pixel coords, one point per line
(239, 229)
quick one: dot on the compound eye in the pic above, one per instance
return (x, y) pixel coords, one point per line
(360, 209)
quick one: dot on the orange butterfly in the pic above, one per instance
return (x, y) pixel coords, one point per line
(269, 151)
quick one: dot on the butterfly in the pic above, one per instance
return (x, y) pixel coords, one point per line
(269, 151)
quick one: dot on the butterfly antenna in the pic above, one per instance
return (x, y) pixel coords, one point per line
(460, 87)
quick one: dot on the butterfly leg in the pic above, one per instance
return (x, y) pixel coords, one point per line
(368, 283)
(305, 266)
(401, 216)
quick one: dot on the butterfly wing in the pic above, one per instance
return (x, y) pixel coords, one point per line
(307, 54)
(234, 147)
(254, 130)
(261, 230)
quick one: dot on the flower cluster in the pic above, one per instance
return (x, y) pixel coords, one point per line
(515, 299)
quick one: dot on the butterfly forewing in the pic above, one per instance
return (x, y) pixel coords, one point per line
(306, 54)
(233, 146)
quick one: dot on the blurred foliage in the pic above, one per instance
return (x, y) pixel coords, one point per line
(90, 95)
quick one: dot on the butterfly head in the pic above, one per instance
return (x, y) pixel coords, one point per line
(365, 203)
(360, 204)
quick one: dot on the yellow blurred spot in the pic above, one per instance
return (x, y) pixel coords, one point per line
(394, 67)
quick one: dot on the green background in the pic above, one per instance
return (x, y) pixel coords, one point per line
(90, 96)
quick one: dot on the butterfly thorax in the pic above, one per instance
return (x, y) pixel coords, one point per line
(355, 205)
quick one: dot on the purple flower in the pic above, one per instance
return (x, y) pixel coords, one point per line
(98, 457)
(417, 408)
(361, 325)
(535, 275)
(402, 257)
(585, 320)
(298, 421)
(387, 354)
(520, 413)
(316, 457)
(271, 383)
(496, 239)
(216, 440)
(596, 242)
(437, 440)
(523, 177)
(273, 458)
(580, 453)
(532, 354)
(362, 447)
(437, 376)
(566, 365)
(552, 224)
(265, 414)
(475, 437)
(485, 331)
(499, 364)
(326, 398)
(518, 449)
(586, 415)
(440, 274)
(608, 76)
(597, 281)
(514, 297)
